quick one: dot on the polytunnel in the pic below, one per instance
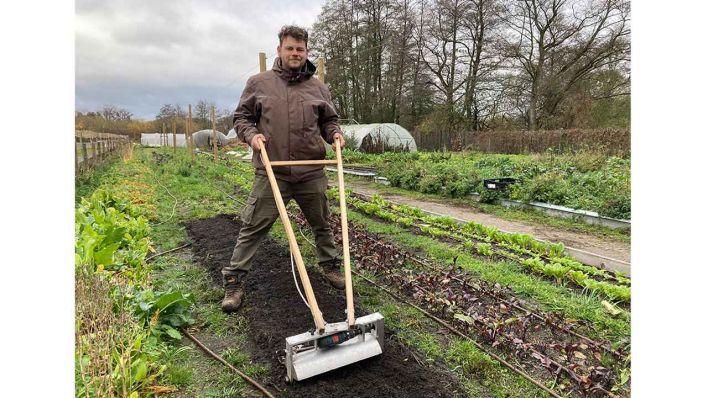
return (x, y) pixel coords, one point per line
(379, 137)
(157, 139)
(202, 139)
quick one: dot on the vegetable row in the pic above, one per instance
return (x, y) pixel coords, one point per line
(536, 257)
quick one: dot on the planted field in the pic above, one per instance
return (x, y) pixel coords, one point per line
(469, 311)
(532, 256)
(585, 181)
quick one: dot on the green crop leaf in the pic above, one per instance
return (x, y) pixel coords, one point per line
(140, 370)
(172, 332)
(465, 318)
(138, 342)
(105, 255)
(611, 308)
(168, 299)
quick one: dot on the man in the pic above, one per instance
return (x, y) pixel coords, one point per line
(291, 112)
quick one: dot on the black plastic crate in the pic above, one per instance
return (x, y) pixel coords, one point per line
(498, 184)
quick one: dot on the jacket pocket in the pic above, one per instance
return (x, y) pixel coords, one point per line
(311, 114)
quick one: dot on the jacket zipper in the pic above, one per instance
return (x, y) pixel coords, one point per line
(287, 102)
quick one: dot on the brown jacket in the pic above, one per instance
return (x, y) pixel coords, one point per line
(294, 111)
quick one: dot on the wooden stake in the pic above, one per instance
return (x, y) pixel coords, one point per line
(262, 61)
(213, 131)
(186, 131)
(321, 69)
(174, 135)
(191, 138)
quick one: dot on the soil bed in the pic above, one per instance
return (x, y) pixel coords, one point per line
(275, 310)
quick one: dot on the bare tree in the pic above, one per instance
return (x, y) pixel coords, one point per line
(202, 114)
(557, 43)
(442, 42)
(368, 46)
(124, 114)
(478, 64)
(480, 30)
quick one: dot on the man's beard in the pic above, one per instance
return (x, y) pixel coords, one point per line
(292, 64)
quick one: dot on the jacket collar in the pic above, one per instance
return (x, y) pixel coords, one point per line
(293, 77)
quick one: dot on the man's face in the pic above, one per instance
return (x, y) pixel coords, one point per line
(292, 53)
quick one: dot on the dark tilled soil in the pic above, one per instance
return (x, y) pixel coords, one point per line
(275, 311)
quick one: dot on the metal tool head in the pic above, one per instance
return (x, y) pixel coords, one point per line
(305, 357)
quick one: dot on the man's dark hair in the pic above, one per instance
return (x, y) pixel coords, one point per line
(293, 31)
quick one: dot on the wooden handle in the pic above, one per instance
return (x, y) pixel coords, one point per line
(294, 248)
(345, 237)
(301, 162)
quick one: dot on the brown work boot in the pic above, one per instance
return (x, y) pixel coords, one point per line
(332, 273)
(233, 292)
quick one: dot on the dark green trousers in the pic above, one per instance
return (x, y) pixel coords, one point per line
(260, 213)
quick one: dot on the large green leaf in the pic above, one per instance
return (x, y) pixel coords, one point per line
(140, 370)
(172, 332)
(171, 298)
(105, 255)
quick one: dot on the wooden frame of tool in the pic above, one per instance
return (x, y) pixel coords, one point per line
(295, 249)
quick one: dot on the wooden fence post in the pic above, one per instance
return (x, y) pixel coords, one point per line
(92, 151)
(92, 141)
(84, 161)
(262, 61)
(76, 155)
(213, 131)
(99, 142)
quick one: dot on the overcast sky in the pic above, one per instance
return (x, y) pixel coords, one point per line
(139, 54)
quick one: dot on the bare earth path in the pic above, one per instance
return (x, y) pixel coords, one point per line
(589, 243)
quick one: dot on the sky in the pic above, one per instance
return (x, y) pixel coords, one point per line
(140, 55)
